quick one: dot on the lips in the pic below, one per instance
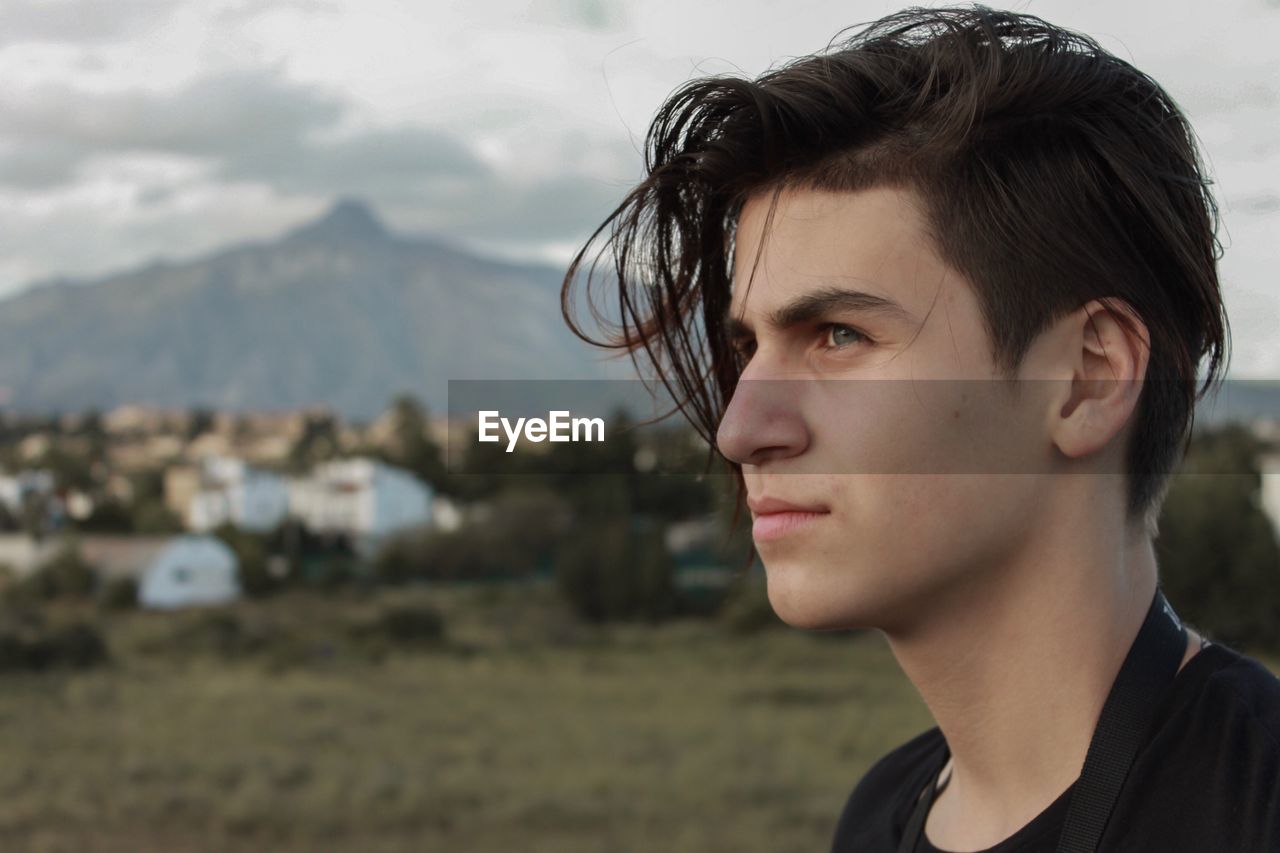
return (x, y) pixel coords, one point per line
(767, 505)
(776, 518)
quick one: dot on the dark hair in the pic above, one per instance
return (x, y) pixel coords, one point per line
(1051, 173)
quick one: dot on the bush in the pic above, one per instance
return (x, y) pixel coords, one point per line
(333, 572)
(1218, 555)
(411, 624)
(401, 558)
(227, 634)
(152, 516)
(215, 631)
(77, 645)
(512, 533)
(617, 570)
(398, 626)
(119, 594)
(109, 515)
(472, 552)
(253, 571)
(65, 575)
(242, 634)
(255, 578)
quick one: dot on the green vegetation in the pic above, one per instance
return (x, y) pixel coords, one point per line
(306, 721)
(268, 725)
(538, 679)
(65, 575)
(252, 569)
(29, 643)
(1217, 551)
(532, 522)
(618, 569)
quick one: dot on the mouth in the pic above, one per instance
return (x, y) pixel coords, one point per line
(775, 519)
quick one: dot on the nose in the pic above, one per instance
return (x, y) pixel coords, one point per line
(763, 422)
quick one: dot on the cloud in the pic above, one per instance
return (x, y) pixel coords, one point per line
(135, 127)
(31, 167)
(238, 11)
(225, 116)
(587, 14)
(548, 209)
(253, 126)
(387, 163)
(259, 128)
(92, 22)
(78, 21)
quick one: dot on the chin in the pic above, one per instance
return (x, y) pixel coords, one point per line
(809, 606)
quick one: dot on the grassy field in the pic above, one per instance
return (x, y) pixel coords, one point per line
(524, 731)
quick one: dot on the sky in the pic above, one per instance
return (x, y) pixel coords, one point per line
(133, 130)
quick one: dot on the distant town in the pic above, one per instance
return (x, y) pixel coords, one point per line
(141, 493)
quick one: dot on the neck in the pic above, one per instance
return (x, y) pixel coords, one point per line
(1016, 666)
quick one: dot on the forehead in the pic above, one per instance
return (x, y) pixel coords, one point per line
(872, 240)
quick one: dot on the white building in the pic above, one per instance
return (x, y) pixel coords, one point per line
(363, 498)
(1269, 468)
(15, 487)
(190, 571)
(36, 487)
(171, 571)
(232, 491)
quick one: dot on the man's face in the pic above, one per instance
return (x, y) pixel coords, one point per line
(890, 532)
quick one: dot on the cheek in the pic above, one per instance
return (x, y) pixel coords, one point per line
(927, 477)
(894, 514)
(890, 427)
(921, 527)
(923, 427)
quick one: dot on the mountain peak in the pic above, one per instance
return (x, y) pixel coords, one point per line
(348, 220)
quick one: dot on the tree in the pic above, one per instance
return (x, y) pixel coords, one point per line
(618, 569)
(317, 443)
(154, 517)
(518, 531)
(412, 446)
(110, 514)
(1217, 550)
(201, 420)
(250, 549)
(65, 575)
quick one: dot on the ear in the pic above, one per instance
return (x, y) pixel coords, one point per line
(1108, 363)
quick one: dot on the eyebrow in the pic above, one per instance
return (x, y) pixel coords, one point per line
(813, 305)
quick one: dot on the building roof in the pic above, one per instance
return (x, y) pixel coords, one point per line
(122, 556)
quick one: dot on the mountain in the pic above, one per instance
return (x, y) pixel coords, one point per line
(341, 312)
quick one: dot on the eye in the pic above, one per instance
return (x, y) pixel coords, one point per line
(743, 349)
(839, 335)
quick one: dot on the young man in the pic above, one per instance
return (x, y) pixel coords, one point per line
(929, 294)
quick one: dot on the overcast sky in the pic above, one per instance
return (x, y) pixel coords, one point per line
(132, 129)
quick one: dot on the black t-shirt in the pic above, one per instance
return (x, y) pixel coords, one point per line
(1206, 780)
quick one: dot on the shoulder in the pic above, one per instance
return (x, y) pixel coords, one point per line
(1209, 776)
(1224, 711)
(879, 804)
(1230, 697)
(1253, 690)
